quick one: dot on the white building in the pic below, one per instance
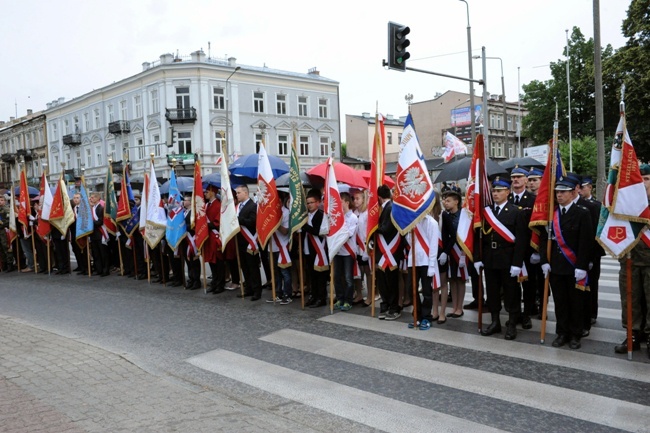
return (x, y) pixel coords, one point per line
(23, 143)
(178, 108)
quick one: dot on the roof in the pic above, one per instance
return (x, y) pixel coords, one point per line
(432, 163)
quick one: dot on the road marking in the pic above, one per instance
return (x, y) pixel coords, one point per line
(373, 410)
(539, 353)
(575, 404)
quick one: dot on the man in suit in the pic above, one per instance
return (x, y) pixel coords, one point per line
(500, 250)
(572, 241)
(79, 254)
(389, 250)
(212, 246)
(315, 248)
(188, 248)
(99, 237)
(247, 242)
(525, 200)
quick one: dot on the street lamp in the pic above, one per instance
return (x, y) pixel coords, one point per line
(568, 96)
(471, 75)
(503, 93)
(228, 109)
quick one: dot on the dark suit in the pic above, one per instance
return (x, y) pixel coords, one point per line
(498, 255)
(591, 298)
(318, 277)
(387, 279)
(98, 250)
(569, 300)
(534, 284)
(250, 263)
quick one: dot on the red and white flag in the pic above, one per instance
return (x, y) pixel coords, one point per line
(156, 221)
(198, 218)
(453, 146)
(229, 224)
(269, 207)
(43, 228)
(24, 208)
(333, 208)
(377, 168)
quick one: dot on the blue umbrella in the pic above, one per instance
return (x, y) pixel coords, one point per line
(30, 190)
(185, 184)
(214, 179)
(246, 166)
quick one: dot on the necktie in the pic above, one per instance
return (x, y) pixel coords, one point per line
(563, 211)
(496, 210)
(516, 199)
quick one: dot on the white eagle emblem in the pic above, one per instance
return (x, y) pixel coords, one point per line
(413, 183)
(199, 206)
(263, 194)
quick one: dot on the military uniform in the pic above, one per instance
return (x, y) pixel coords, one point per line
(5, 254)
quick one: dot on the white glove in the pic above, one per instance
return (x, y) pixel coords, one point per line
(31, 223)
(32, 218)
(591, 265)
(546, 268)
(431, 271)
(443, 258)
(534, 259)
(514, 271)
(371, 244)
(63, 238)
(478, 266)
(580, 274)
(462, 262)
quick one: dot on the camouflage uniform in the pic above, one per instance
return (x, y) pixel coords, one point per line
(6, 256)
(640, 289)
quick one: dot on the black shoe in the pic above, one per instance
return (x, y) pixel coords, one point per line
(560, 341)
(217, 291)
(106, 274)
(622, 348)
(10, 268)
(511, 332)
(472, 305)
(585, 333)
(574, 343)
(494, 328)
(317, 303)
(245, 295)
(177, 284)
(256, 297)
(526, 323)
(77, 269)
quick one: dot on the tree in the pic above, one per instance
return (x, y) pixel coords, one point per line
(631, 66)
(584, 154)
(540, 97)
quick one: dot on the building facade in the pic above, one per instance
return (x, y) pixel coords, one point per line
(360, 133)
(23, 142)
(185, 108)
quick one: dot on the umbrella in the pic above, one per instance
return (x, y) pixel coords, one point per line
(526, 162)
(184, 183)
(459, 169)
(284, 180)
(387, 180)
(30, 190)
(214, 179)
(247, 166)
(344, 174)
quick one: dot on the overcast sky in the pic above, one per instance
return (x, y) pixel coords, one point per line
(69, 47)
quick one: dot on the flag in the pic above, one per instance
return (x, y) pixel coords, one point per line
(110, 205)
(12, 230)
(377, 169)
(298, 207)
(176, 229)
(269, 206)
(477, 198)
(333, 208)
(553, 172)
(229, 224)
(142, 220)
(156, 220)
(625, 210)
(126, 196)
(24, 205)
(61, 204)
(43, 228)
(415, 196)
(199, 221)
(84, 226)
(453, 146)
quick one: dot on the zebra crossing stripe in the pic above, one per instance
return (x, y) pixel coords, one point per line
(575, 404)
(379, 412)
(538, 353)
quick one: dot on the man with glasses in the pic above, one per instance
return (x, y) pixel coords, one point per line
(315, 248)
(247, 242)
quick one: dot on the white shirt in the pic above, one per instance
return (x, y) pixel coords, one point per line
(430, 232)
(284, 239)
(350, 225)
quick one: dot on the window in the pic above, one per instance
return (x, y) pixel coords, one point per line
(283, 145)
(56, 160)
(111, 153)
(302, 106)
(76, 124)
(126, 151)
(510, 128)
(96, 112)
(66, 126)
(156, 140)
(389, 138)
(98, 152)
(304, 145)
(258, 142)
(258, 102)
(499, 119)
(140, 143)
(219, 99)
(78, 158)
(89, 158)
(184, 142)
(67, 159)
(137, 106)
(86, 122)
(324, 146)
(183, 97)
(322, 108)
(399, 138)
(281, 104)
(492, 121)
(111, 114)
(123, 111)
(219, 142)
(155, 106)
(55, 132)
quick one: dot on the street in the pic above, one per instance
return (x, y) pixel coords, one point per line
(148, 358)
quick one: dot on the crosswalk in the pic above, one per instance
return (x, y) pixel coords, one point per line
(450, 378)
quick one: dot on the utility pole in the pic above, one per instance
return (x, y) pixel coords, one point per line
(600, 123)
(568, 97)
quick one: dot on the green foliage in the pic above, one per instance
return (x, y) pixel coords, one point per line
(344, 150)
(584, 155)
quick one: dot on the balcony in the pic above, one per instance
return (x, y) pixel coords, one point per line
(25, 153)
(9, 158)
(118, 166)
(119, 127)
(180, 115)
(72, 139)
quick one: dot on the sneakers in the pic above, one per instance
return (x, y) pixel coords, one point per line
(346, 307)
(381, 315)
(393, 316)
(337, 305)
(273, 301)
(416, 325)
(425, 325)
(285, 301)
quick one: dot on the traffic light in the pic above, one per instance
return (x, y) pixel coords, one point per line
(397, 44)
(173, 134)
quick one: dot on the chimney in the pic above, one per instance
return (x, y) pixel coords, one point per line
(313, 71)
(389, 117)
(365, 115)
(48, 105)
(166, 59)
(232, 61)
(29, 112)
(61, 100)
(198, 56)
(12, 118)
(145, 65)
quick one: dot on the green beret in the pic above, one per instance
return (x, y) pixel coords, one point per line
(645, 169)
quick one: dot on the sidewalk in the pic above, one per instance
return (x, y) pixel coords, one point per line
(50, 383)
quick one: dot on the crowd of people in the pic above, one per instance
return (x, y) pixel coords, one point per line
(510, 254)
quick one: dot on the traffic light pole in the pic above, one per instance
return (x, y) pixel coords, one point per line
(480, 82)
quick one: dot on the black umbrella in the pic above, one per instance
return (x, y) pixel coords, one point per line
(459, 169)
(283, 181)
(185, 184)
(525, 162)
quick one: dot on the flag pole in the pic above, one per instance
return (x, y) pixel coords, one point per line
(373, 271)
(31, 229)
(241, 274)
(272, 266)
(300, 277)
(332, 287)
(549, 223)
(415, 289)
(628, 294)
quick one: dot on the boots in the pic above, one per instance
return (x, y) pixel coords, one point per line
(495, 326)
(511, 331)
(636, 344)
